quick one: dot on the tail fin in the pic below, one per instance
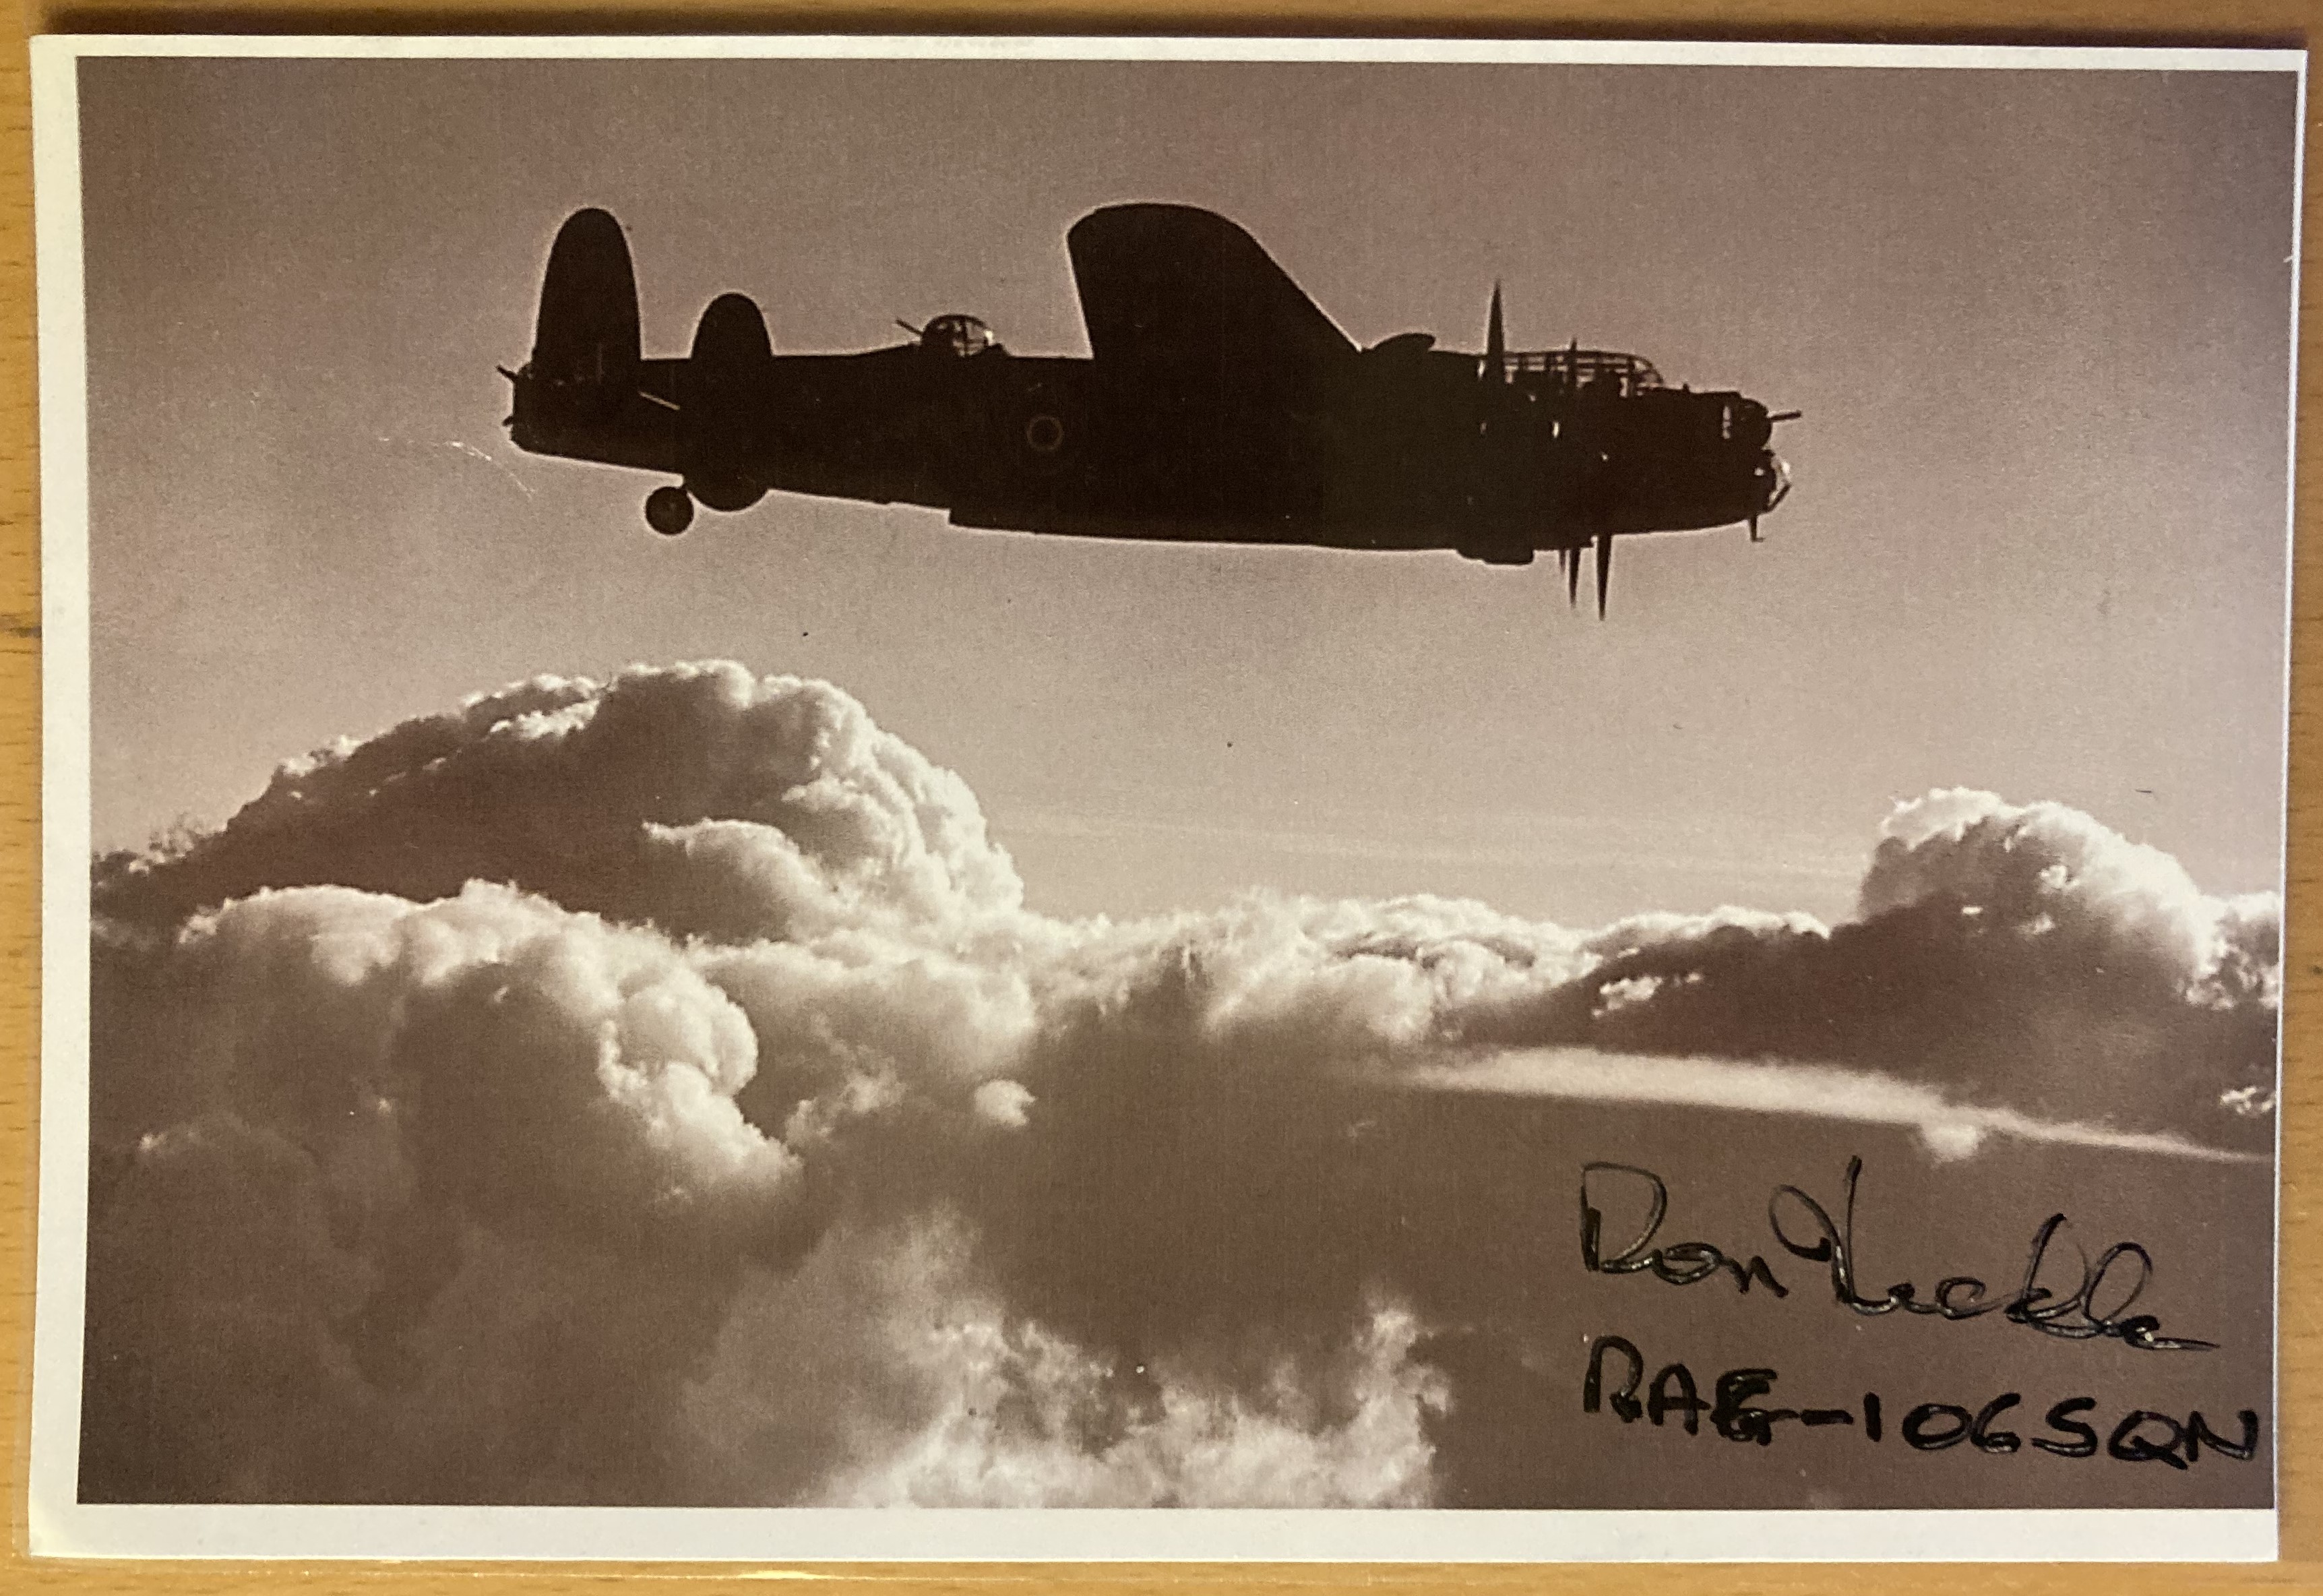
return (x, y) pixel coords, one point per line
(724, 395)
(585, 355)
(588, 325)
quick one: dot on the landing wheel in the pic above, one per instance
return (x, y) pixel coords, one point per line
(669, 510)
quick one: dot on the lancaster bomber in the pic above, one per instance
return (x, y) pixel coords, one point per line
(1217, 405)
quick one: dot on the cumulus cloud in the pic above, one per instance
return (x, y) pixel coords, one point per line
(1002, 1102)
(699, 799)
(2027, 953)
(656, 1090)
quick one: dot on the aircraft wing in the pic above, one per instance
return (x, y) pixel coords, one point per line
(1182, 296)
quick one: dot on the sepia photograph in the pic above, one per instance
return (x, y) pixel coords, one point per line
(1499, 801)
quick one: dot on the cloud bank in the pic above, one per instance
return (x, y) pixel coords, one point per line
(655, 1091)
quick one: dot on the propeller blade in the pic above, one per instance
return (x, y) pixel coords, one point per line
(908, 327)
(1572, 576)
(1496, 344)
(1605, 569)
(1754, 528)
(1786, 416)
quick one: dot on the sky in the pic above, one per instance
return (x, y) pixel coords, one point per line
(2037, 322)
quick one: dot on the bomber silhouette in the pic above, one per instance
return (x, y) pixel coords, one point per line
(1219, 405)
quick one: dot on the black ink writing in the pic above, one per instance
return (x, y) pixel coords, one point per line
(1680, 1263)
(2074, 1316)
(1740, 1409)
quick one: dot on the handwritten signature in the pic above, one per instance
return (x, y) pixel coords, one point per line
(2072, 1315)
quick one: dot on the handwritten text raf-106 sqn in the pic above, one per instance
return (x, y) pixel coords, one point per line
(1738, 1407)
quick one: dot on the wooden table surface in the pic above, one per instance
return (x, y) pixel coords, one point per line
(2278, 23)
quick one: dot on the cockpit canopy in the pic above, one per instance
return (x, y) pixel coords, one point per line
(1576, 370)
(957, 336)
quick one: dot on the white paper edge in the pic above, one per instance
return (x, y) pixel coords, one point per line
(1419, 1535)
(61, 1527)
(2290, 637)
(1100, 48)
(61, 1260)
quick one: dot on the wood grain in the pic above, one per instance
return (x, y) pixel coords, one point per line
(2254, 21)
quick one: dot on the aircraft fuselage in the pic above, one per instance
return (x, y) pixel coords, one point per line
(1220, 406)
(1392, 460)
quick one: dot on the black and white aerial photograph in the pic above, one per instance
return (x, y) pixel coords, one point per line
(1013, 774)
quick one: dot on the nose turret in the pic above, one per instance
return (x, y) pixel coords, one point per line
(1774, 480)
(1771, 477)
(1770, 483)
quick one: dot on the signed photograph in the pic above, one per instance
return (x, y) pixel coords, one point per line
(1483, 798)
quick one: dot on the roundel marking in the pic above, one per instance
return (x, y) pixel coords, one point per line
(1044, 435)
